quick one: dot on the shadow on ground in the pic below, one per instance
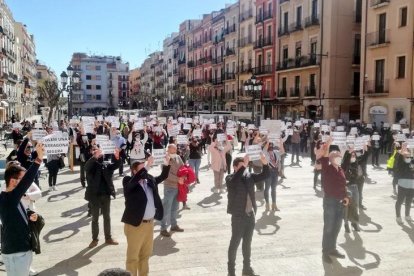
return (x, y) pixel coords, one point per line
(267, 224)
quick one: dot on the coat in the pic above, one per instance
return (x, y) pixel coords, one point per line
(35, 229)
(187, 172)
(135, 198)
(218, 158)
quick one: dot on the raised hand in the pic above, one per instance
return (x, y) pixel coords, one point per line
(40, 149)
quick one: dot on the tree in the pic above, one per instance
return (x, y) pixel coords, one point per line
(49, 91)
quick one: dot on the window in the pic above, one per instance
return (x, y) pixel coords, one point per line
(98, 68)
(88, 87)
(297, 82)
(379, 75)
(98, 77)
(98, 97)
(298, 52)
(88, 97)
(403, 17)
(285, 53)
(358, 11)
(299, 16)
(312, 81)
(401, 67)
(98, 87)
(285, 21)
(314, 8)
(382, 21)
(88, 77)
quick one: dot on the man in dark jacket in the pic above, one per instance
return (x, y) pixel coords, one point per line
(84, 142)
(142, 205)
(99, 191)
(242, 207)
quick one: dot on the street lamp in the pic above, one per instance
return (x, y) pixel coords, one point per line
(69, 80)
(253, 87)
(156, 104)
(182, 105)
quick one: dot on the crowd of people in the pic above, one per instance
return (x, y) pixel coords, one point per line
(341, 165)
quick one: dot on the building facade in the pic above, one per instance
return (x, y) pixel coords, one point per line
(135, 88)
(387, 61)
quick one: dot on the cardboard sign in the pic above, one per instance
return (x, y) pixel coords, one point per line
(375, 137)
(38, 134)
(221, 137)
(182, 139)
(254, 151)
(56, 143)
(197, 133)
(159, 156)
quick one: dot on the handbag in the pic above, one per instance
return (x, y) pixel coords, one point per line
(61, 162)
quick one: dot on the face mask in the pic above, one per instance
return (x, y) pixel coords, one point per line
(407, 160)
(338, 160)
(174, 155)
(358, 154)
(353, 160)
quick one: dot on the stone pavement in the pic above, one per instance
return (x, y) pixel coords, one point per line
(284, 243)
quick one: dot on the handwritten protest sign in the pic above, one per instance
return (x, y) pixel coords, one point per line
(221, 137)
(107, 147)
(359, 143)
(274, 138)
(401, 138)
(375, 137)
(340, 128)
(38, 134)
(197, 133)
(173, 130)
(396, 127)
(263, 130)
(406, 131)
(187, 127)
(138, 125)
(410, 143)
(338, 138)
(182, 139)
(273, 126)
(254, 151)
(230, 131)
(101, 138)
(38, 125)
(56, 143)
(159, 156)
(17, 125)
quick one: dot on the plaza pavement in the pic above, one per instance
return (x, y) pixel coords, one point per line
(284, 243)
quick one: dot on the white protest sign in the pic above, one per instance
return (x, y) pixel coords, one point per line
(316, 125)
(396, 127)
(338, 138)
(289, 132)
(298, 123)
(263, 130)
(88, 127)
(353, 130)
(159, 156)
(332, 124)
(56, 143)
(410, 143)
(350, 139)
(289, 124)
(138, 125)
(230, 131)
(254, 151)
(325, 128)
(274, 138)
(107, 147)
(243, 124)
(101, 138)
(188, 120)
(221, 119)
(187, 127)
(251, 126)
(38, 134)
(340, 120)
(369, 126)
(406, 131)
(115, 124)
(162, 120)
(99, 118)
(375, 137)
(273, 126)
(182, 139)
(38, 125)
(386, 125)
(153, 116)
(359, 143)
(174, 130)
(400, 138)
(197, 133)
(221, 137)
(17, 125)
(340, 128)
(213, 126)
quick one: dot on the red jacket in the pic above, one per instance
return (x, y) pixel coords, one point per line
(187, 172)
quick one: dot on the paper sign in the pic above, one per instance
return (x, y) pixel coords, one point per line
(99, 118)
(298, 123)
(221, 137)
(263, 130)
(38, 134)
(274, 138)
(115, 124)
(213, 126)
(56, 143)
(159, 156)
(316, 125)
(89, 128)
(289, 132)
(197, 133)
(396, 127)
(340, 128)
(173, 130)
(101, 138)
(386, 125)
(325, 128)
(107, 147)
(353, 130)
(188, 120)
(350, 139)
(243, 124)
(289, 124)
(406, 131)
(273, 126)
(375, 137)
(410, 143)
(182, 139)
(17, 125)
(162, 120)
(251, 126)
(401, 138)
(340, 120)
(254, 151)
(38, 125)
(369, 126)
(187, 127)
(230, 131)
(332, 124)
(359, 143)
(138, 125)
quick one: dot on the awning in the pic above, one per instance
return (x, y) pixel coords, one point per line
(4, 103)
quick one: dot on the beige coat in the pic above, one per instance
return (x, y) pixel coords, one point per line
(218, 158)
(172, 180)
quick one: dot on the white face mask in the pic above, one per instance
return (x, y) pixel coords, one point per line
(338, 160)
(174, 155)
(353, 160)
(407, 160)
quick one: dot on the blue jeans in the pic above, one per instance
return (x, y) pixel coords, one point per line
(18, 264)
(195, 164)
(170, 205)
(270, 183)
(332, 222)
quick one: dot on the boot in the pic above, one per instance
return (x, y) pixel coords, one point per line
(274, 207)
(356, 227)
(267, 207)
(347, 230)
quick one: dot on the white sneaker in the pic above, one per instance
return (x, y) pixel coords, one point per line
(33, 272)
(216, 191)
(399, 220)
(54, 188)
(408, 218)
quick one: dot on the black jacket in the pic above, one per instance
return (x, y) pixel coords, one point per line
(351, 169)
(25, 160)
(135, 198)
(239, 185)
(35, 229)
(96, 172)
(403, 170)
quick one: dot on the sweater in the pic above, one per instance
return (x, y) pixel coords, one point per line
(16, 233)
(172, 180)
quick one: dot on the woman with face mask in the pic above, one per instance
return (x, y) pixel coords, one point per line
(404, 173)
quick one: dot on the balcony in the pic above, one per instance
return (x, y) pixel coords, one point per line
(246, 15)
(181, 80)
(197, 44)
(295, 27)
(181, 61)
(266, 94)
(217, 81)
(190, 64)
(230, 76)
(218, 39)
(190, 83)
(379, 3)
(263, 42)
(267, 15)
(298, 62)
(181, 43)
(217, 60)
(207, 59)
(262, 70)
(312, 20)
(282, 93)
(378, 38)
(230, 29)
(198, 81)
(230, 52)
(295, 92)
(243, 42)
(245, 68)
(310, 91)
(356, 60)
(283, 31)
(377, 88)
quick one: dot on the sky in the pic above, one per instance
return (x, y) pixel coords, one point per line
(131, 29)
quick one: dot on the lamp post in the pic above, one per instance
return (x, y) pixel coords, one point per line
(69, 80)
(156, 104)
(253, 87)
(182, 105)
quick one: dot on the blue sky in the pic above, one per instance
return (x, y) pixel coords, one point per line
(130, 28)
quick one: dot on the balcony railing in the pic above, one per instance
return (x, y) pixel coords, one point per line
(197, 44)
(267, 15)
(218, 39)
(266, 94)
(263, 70)
(181, 61)
(245, 68)
(217, 81)
(190, 64)
(190, 83)
(282, 93)
(378, 38)
(230, 52)
(299, 62)
(295, 27)
(246, 15)
(230, 76)
(198, 81)
(217, 60)
(312, 20)
(263, 42)
(283, 31)
(243, 42)
(295, 92)
(207, 59)
(181, 80)
(310, 91)
(230, 29)
(181, 43)
(377, 3)
(376, 87)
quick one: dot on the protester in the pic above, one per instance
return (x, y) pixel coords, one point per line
(273, 155)
(218, 152)
(242, 207)
(195, 156)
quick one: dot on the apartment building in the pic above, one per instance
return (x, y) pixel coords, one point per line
(151, 73)
(231, 36)
(216, 91)
(169, 95)
(318, 56)
(387, 61)
(246, 55)
(264, 48)
(135, 87)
